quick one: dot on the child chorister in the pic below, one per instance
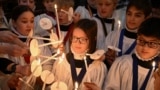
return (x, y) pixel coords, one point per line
(125, 39)
(72, 68)
(106, 19)
(134, 72)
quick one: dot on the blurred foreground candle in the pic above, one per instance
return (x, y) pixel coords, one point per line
(76, 86)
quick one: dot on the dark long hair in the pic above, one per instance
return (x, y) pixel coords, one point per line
(90, 29)
(18, 10)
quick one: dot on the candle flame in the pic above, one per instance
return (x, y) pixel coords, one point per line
(61, 58)
(55, 6)
(39, 61)
(153, 64)
(119, 22)
(58, 51)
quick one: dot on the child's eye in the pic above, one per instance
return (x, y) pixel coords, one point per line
(138, 15)
(24, 21)
(129, 14)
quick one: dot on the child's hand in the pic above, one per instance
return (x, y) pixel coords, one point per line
(110, 56)
(91, 86)
(13, 81)
(24, 70)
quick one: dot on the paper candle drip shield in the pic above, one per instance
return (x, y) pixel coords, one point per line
(114, 48)
(34, 47)
(59, 86)
(97, 54)
(45, 23)
(36, 68)
(70, 13)
(54, 38)
(47, 77)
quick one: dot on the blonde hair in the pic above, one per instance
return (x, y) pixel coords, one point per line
(64, 3)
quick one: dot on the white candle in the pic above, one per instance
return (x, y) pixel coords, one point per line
(153, 65)
(116, 38)
(46, 44)
(85, 61)
(57, 19)
(76, 86)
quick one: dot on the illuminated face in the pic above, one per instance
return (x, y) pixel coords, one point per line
(79, 41)
(147, 47)
(63, 17)
(30, 3)
(105, 8)
(25, 23)
(49, 5)
(134, 18)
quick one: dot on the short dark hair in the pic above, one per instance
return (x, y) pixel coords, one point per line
(143, 5)
(90, 29)
(150, 28)
(18, 10)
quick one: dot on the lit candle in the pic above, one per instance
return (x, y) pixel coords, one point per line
(57, 19)
(153, 65)
(85, 61)
(61, 58)
(76, 86)
(119, 27)
(116, 38)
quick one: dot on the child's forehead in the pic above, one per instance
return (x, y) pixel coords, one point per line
(106, 1)
(48, 0)
(148, 38)
(135, 9)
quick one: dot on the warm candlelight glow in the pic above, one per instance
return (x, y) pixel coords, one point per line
(39, 61)
(55, 6)
(119, 24)
(62, 57)
(153, 64)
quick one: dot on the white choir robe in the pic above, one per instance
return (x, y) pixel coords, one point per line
(100, 35)
(113, 40)
(84, 13)
(120, 75)
(96, 73)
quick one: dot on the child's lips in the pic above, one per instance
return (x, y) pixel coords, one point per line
(28, 30)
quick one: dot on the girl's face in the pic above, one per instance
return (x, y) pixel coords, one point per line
(30, 3)
(49, 5)
(134, 18)
(25, 23)
(105, 8)
(63, 17)
(147, 47)
(79, 42)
